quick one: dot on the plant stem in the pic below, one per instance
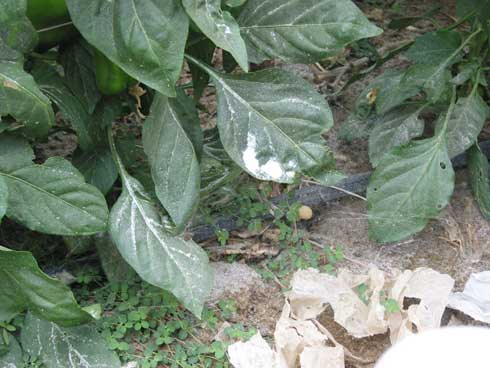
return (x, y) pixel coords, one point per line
(115, 155)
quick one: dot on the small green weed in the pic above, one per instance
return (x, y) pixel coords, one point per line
(145, 324)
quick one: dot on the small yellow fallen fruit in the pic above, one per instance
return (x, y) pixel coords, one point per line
(305, 213)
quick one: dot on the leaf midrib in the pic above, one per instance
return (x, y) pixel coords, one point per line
(43, 191)
(153, 230)
(293, 25)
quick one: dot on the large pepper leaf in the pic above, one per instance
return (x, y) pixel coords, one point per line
(79, 73)
(64, 203)
(301, 31)
(169, 262)
(173, 159)
(52, 85)
(219, 26)
(394, 129)
(21, 98)
(24, 286)
(480, 178)
(67, 347)
(410, 186)
(145, 38)
(271, 122)
(434, 47)
(465, 123)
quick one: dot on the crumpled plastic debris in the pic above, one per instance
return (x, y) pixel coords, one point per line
(311, 292)
(255, 353)
(431, 288)
(474, 301)
(296, 342)
(301, 342)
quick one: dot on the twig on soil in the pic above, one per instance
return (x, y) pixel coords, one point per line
(339, 189)
(348, 192)
(348, 353)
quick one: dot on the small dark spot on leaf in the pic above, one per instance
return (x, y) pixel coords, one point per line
(443, 165)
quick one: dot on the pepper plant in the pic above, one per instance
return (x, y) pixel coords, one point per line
(76, 59)
(446, 84)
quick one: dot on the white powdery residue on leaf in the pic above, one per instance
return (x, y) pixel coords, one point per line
(475, 298)
(271, 170)
(226, 30)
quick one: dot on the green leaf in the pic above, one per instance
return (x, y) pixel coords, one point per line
(234, 3)
(480, 8)
(169, 262)
(434, 78)
(326, 174)
(355, 127)
(21, 98)
(394, 129)
(271, 122)
(97, 167)
(410, 186)
(16, 30)
(13, 357)
(172, 157)
(219, 26)
(65, 204)
(434, 47)
(465, 123)
(479, 178)
(145, 38)
(387, 92)
(52, 85)
(67, 347)
(24, 286)
(4, 195)
(466, 71)
(79, 68)
(115, 267)
(301, 31)
(204, 51)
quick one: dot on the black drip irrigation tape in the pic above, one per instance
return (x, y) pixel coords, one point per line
(315, 196)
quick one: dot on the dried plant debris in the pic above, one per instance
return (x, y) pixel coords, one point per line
(475, 298)
(255, 353)
(364, 305)
(297, 342)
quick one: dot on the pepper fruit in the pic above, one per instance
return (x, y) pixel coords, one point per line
(52, 21)
(110, 78)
